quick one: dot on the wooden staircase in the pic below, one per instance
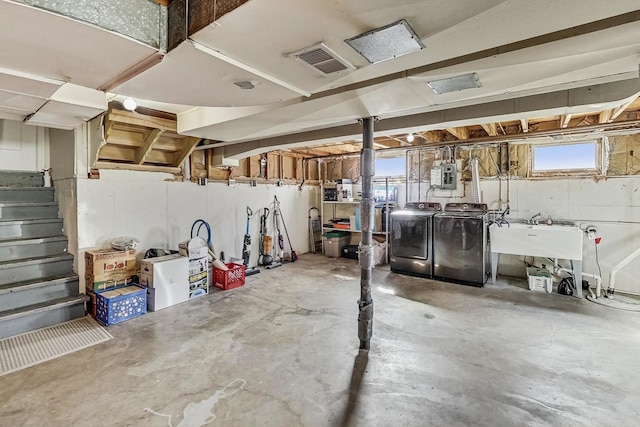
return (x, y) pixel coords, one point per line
(38, 287)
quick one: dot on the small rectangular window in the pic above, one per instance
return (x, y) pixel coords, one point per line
(387, 167)
(570, 157)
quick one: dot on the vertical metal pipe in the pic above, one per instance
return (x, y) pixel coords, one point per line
(367, 172)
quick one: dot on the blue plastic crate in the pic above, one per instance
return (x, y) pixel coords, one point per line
(121, 303)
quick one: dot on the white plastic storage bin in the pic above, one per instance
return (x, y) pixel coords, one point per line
(539, 279)
(334, 241)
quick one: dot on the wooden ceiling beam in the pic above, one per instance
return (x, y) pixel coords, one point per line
(431, 136)
(190, 144)
(461, 133)
(490, 128)
(565, 120)
(141, 153)
(620, 109)
(525, 125)
(605, 116)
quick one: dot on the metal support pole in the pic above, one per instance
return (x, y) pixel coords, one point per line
(367, 171)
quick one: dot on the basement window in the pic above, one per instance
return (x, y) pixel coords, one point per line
(571, 158)
(390, 167)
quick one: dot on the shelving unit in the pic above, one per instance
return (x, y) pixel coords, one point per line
(338, 209)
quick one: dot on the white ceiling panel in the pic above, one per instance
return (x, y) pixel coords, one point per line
(12, 114)
(45, 44)
(15, 81)
(20, 102)
(190, 76)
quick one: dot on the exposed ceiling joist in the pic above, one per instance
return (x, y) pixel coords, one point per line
(605, 116)
(461, 133)
(525, 125)
(490, 128)
(565, 120)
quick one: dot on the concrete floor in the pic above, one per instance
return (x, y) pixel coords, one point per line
(283, 351)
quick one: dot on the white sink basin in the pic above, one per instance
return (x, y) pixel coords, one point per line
(551, 241)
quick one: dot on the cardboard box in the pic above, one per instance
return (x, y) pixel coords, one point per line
(345, 192)
(100, 283)
(198, 277)
(106, 262)
(91, 304)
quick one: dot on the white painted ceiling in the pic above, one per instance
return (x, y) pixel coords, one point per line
(41, 52)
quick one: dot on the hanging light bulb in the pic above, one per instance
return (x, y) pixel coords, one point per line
(129, 104)
(410, 137)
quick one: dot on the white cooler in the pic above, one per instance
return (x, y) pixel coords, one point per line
(166, 279)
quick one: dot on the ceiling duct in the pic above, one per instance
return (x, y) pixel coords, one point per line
(455, 84)
(322, 59)
(386, 42)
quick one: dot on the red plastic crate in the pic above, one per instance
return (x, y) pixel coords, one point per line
(229, 279)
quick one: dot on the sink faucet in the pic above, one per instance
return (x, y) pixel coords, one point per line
(534, 219)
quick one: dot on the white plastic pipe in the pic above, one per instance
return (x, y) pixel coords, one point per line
(557, 269)
(618, 267)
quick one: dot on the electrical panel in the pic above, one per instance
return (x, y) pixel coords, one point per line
(449, 172)
(443, 177)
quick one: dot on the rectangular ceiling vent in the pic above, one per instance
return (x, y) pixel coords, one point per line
(322, 59)
(455, 84)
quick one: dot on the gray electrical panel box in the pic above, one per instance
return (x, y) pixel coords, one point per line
(443, 177)
(449, 175)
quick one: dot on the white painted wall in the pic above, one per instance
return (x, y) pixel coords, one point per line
(62, 163)
(23, 147)
(611, 205)
(159, 213)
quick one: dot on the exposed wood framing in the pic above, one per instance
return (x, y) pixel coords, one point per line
(525, 125)
(152, 122)
(565, 120)
(145, 168)
(142, 152)
(490, 128)
(461, 133)
(615, 113)
(190, 144)
(605, 116)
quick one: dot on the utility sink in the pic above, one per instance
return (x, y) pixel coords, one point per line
(550, 241)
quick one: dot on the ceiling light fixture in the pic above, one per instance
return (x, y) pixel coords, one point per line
(386, 42)
(221, 56)
(410, 137)
(129, 104)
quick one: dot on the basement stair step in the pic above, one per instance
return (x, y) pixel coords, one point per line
(26, 194)
(28, 292)
(35, 268)
(36, 316)
(21, 178)
(30, 228)
(14, 249)
(28, 210)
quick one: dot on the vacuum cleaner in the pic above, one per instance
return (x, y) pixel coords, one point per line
(246, 247)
